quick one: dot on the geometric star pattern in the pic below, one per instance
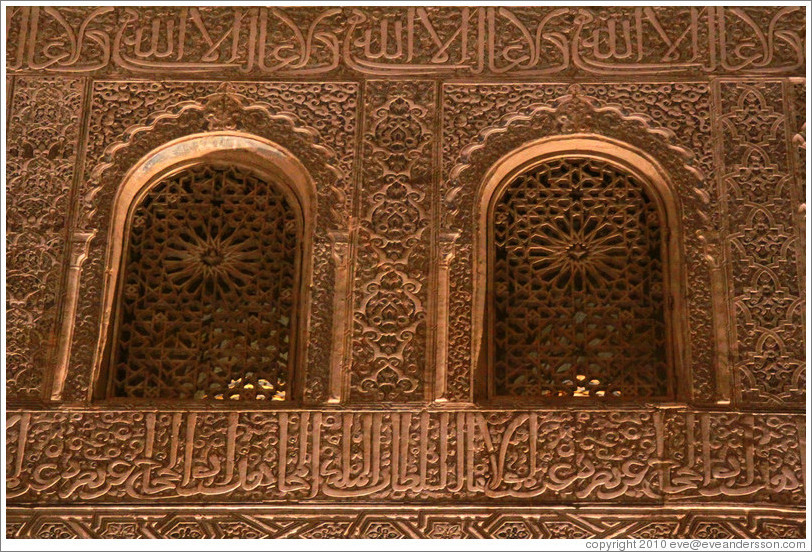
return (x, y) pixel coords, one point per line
(577, 285)
(207, 300)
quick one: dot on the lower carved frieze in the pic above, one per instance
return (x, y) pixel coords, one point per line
(371, 522)
(637, 456)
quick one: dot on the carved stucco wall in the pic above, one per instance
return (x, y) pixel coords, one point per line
(398, 114)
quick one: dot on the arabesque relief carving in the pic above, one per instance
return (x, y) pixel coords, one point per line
(392, 258)
(763, 242)
(40, 165)
(485, 122)
(391, 126)
(128, 120)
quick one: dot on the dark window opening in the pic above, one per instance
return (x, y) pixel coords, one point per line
(577, 289)
(207, 296)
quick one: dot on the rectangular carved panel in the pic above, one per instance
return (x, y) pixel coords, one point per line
(372, 41)
(639, 456)
(41, 154)
(762, 243)
(383, 522)
(392, 258)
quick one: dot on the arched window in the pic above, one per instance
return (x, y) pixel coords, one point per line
(207, 294)
(576, 296)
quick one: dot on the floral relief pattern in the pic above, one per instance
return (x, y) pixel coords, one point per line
(397, 114)
(392, 264)
(763, 244)
(39, 170)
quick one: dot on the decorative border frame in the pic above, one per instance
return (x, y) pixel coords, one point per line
(457, 522)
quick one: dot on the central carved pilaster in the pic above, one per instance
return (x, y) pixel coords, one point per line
(392, 260)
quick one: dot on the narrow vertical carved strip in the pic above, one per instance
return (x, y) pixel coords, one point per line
(389, 336)
(722, 328)
(21, 421)
(762, 243)
(17, 20)
(795, 110)
(340, 244)
(41, 159)
(800, 423)
(9, 95)
(78, 254)
(446, 245)
(437, 321)
(717, 258)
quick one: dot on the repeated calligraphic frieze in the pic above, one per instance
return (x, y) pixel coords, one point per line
(638, 456)
(374, 41)
(398, 114)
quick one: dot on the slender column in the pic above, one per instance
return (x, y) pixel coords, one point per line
(78, 254)
(715, 255)
(446, 249)
(340, 244)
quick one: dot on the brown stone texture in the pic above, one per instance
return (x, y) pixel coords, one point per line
(640, 456)
(392, 268)
(128, 119)
(41, 159)
(400, 116)
(257, 522)
(763, 241)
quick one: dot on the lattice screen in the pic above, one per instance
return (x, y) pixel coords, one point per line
(577, 285)
(208, 290)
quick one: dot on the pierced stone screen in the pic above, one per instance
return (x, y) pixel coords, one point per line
(577, 285)
(207, 300)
